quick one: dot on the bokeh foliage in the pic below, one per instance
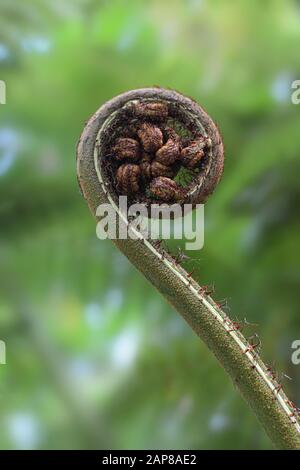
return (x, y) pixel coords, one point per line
(95, 358)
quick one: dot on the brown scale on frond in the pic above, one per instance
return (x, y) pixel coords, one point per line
(126, 148)
(170, 133)
(128, 178)
(168, 153)
(145, 167)
(190, 159)
(166, 189)
(193, 153)
(196, 145)
(151, 110)
(151, 137)
(158, 169)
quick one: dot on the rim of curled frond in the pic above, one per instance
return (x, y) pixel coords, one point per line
(209, 176)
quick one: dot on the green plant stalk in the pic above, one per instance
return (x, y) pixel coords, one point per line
(246, 369)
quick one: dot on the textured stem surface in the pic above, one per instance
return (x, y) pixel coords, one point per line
(247, 371)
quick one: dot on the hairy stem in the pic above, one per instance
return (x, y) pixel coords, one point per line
(249, 374)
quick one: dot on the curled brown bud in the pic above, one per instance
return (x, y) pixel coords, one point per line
(151, 110)
(193, 153)
(170, 133)
(191, 159)
(165, 189)
(158, 169)
(126, 149)
(145, 167)
(151, 137)
(198, 144)
(169, 153)
(128, 176)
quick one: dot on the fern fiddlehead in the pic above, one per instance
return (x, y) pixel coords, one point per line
(100, 184)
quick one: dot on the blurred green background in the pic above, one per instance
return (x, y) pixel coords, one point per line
(95, 357)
